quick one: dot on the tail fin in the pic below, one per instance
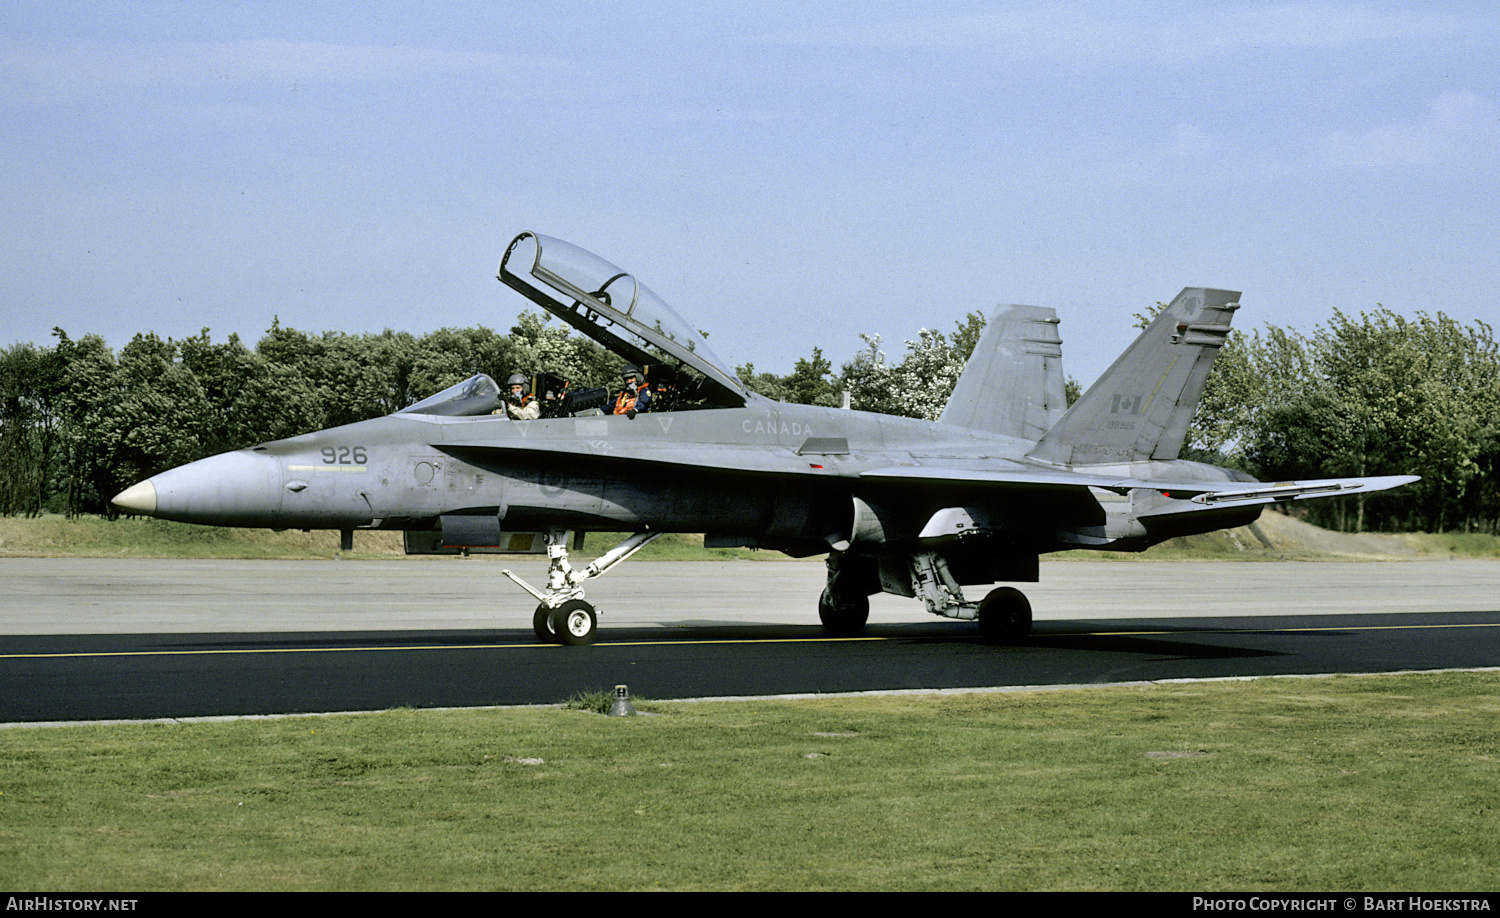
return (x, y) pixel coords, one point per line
(1140, 408)
(1013, 382)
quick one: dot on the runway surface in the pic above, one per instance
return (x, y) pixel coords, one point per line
(85, 639)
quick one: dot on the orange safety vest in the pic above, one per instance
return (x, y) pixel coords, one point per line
(626, 401)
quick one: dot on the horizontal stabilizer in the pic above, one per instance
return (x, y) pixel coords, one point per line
(1302, 490)
(1239, 499)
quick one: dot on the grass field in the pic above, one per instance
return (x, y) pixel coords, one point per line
(94, 537)
(1346, 783)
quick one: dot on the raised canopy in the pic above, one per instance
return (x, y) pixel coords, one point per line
(614, 309)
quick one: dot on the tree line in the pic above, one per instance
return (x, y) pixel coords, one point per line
(1377, 394)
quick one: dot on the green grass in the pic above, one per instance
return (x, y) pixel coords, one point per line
(678, 546)
(139, 537)
(1466, 544)
(1345, 783)
(94, 537)
(602, 701)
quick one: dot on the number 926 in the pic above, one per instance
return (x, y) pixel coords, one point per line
(343, 455)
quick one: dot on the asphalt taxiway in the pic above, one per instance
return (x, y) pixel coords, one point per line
(86, 639)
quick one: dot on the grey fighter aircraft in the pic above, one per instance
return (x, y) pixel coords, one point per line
(910, 507)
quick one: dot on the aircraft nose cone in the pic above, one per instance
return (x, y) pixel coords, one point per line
(231, 489)
(138, 498)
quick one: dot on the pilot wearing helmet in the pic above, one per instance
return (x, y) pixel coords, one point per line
(520, 404)
(635, 397)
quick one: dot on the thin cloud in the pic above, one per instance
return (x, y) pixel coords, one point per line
(79, 69)
(1461, 128)
(1084, 32)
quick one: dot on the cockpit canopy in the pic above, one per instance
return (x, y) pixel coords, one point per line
(619, 312)
(474, 396)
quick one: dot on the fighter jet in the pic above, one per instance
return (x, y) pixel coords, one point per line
(915, 508)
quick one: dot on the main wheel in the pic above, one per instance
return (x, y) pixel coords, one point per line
(1005, 615)
(843, 615)
(541, 623)
(574, 623)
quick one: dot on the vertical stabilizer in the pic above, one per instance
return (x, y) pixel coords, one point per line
(1142, 405)
(1013, 382)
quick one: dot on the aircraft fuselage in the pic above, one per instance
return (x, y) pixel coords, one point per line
(771, 474)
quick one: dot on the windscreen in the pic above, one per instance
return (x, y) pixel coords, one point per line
(474, 396)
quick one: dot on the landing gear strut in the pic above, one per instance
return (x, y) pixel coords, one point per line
(564, 617)
(1004, 615)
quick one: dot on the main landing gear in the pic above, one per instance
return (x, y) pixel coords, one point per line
(842, 614)
(564, 617)
(1004, 615)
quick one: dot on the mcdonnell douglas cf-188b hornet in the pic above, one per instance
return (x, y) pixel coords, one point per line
(910, 507)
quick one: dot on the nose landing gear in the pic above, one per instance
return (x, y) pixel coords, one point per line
(564, 617)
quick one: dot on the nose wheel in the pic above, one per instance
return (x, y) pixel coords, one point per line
(541, 623)
(573, 623)
(563, 616)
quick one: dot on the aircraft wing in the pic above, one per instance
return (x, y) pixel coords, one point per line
(1209, 493)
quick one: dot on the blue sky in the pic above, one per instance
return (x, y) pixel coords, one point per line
(787, 175)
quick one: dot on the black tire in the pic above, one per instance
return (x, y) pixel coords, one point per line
(843, 616)
(574, 623)
(541, 623)
(1005, 616)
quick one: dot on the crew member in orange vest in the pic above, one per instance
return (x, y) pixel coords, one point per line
(635, 397)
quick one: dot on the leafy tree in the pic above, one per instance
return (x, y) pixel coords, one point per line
(966, 336)
(275, 402)
(541, 346)
(28, 428)
(870, 381)
(160, 409)
(222, 372)
(811, 382)
(768, 384)
(1384, 395)
(355, 377)
(920, 385)
(87, 385)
